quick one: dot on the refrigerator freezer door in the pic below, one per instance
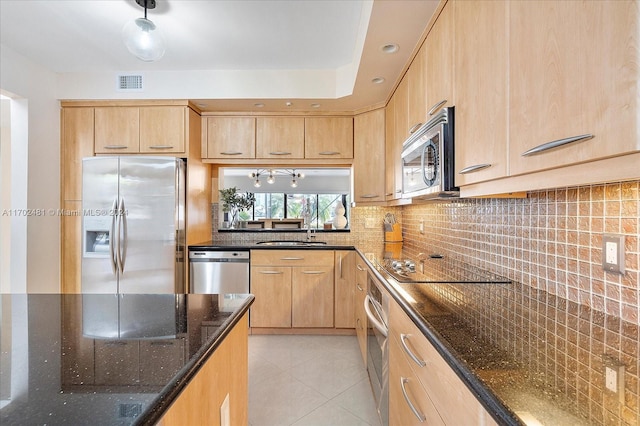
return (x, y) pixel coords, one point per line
(99, 196)
(149, 192)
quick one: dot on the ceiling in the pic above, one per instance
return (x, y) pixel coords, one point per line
(303, 55)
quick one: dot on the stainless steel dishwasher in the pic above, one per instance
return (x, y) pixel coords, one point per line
(223, 272)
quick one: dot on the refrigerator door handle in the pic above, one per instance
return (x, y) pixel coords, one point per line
(122, 234)
(112, 236)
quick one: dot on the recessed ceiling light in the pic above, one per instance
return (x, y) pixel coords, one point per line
(258, 105)
(390, 48)
(315, 105)
(378, 80)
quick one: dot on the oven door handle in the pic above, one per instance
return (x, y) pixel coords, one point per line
(375, 321)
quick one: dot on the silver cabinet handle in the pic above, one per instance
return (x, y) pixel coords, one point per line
(359, 288)
(314, 272)
(271, 272)
(436, 107)
(398, 191)
(231, 153)
(115, 147)
(279, 153)
(554, 144)
(340, 266)
(161, 147)
(388, 194)
(369, 196)
(403, 338)
(292, 258)
(414, 128)
(329, 153)
(474, 168)
(418, 414)
(360, 268)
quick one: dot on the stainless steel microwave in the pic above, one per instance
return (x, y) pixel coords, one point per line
(428, 159)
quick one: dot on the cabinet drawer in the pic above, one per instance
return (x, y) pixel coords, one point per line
(292, 257)
(454, 401)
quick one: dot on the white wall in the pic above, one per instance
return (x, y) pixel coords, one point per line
(34, 89)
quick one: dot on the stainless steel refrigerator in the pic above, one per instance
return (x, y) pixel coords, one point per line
(133, 225)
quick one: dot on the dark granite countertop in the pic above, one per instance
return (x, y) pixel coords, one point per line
(528, 356)
(78, 359)
(211, 245)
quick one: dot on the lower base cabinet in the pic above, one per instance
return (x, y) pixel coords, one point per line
(429, 381)
(361, 323)
(218, 394)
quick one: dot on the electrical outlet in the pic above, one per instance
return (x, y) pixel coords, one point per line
(613, 253)
(422, 226)
(611, 379)
(614, 376)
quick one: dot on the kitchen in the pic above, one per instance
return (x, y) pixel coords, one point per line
(550, 240)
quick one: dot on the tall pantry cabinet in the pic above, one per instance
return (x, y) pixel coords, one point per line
(169, 128)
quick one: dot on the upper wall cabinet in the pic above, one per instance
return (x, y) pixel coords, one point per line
(573, 76)
(146, 129)
(280, 137)
(393, 184)
(481, 90)
(416, 92)
(438, 63)
(228, 138)
(328, 137)
(369, 158)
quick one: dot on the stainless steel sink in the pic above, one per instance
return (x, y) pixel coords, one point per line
(291, 243)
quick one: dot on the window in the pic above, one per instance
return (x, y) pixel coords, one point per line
(320, 207)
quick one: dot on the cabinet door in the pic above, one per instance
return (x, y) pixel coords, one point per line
(77, 143)
(328, 137)
(162, 129)
(393, 186)
(280, 137)
(407, 394)
(312, 297)
(117, 130)
(271, 287)
(369, 158)
(481, 87)
(345, 276)
(417, 96)
(229, 138)
(439, 62)
(402, 126)
(573, 72)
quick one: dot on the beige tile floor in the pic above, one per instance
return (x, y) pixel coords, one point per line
(308, 380)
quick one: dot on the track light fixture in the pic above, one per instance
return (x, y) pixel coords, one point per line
(271, 173)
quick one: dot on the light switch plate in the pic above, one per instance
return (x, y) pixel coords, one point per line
(613, 253)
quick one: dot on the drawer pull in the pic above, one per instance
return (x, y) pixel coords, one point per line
(313, 272)
(115, 147)
(292, 258)
(554, 144)
(360, 268)
(161, 147)
(414, 128)
(418, 414)
(474, 168)
(359, 288)
(413, 356)
(271, 272)
(369, 196)
(329, 153)
(437, 106)
(231, 153)
(279, 153)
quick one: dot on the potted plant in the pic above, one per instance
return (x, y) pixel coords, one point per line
(233, 203)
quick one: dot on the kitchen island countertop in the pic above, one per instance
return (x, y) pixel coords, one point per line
(62, 365)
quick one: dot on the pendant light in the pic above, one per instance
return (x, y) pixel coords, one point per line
(142, 37)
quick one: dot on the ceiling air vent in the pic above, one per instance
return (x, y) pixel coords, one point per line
(129, 83)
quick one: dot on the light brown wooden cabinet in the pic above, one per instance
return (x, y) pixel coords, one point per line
(438, 63)
(360, 290)
(280, 137)
(328, 137)
(573, 71)
(305, 278)
(227, 138)
(416, 92)
(345, 277)
(140, 130)
(481, 90)
(453, 401)
(369, 158)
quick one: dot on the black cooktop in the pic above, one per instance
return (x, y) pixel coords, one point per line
(438, 269)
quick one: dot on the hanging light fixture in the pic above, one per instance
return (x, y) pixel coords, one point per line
(142, 37)
(271, 179)
(255, 176)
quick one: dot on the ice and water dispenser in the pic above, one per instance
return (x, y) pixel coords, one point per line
(97, 235)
